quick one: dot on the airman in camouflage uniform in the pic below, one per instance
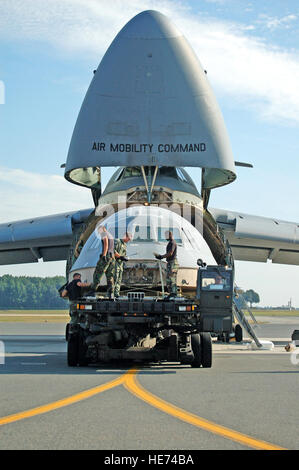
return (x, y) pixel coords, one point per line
(172, 264)
(105, 264)
(120, 252)
(171, 277)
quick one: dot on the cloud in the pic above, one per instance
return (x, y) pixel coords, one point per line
(28, 195)
(220, 2)
(250, 71)
(272, 22)
(73, 25)
(243, 67)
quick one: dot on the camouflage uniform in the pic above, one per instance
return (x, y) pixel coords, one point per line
(121, 248)
(110, 277)
(172, 267)
(171, 276)
(105, 264)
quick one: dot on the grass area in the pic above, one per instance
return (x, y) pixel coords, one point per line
(36, 319)
(35, 312)
(34, 316)
(275, 313)
(62, 316)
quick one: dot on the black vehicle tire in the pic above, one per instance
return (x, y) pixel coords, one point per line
(82, 350)
(238, 333)
(206, 350)
(67, 329)
(196, 348)
(72, 350)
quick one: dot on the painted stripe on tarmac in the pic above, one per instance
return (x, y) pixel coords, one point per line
(61, 403)
(129, 380)
(133, 386)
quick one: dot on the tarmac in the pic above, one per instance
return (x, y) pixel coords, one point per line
(247, 400)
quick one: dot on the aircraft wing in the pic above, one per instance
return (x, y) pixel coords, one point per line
(49, 237)
(255, 238)
(252, 238)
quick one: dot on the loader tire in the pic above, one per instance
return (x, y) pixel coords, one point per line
(206, 350)
(67, 329)
(73, 349)
(196, 348)
(82, 350)
(238, 333)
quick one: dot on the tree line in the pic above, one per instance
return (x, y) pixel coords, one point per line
(25, 292)
(251, 297)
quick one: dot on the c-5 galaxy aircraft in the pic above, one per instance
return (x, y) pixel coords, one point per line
(151, 112)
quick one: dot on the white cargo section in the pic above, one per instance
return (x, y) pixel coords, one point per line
(148, 225)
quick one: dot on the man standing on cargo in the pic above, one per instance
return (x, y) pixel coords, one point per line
(105, 263)
(120, 253)
(172, 264)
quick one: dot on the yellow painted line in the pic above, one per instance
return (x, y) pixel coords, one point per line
(131, 383)
(129, 380)
(64, 402)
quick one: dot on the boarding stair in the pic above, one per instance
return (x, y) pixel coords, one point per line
(240, 306)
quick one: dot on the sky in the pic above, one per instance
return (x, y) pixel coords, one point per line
(250, 49)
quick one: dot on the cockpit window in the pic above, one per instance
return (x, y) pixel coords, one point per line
(135, 171)
(147, 233)
(95, 244)
(189, 237)
(181, 175)
(132, 171)
(142, 233)
(169, 171)
(118, 175)
(175, 232)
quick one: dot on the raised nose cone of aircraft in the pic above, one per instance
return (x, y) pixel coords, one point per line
(150, 24)
(150, 104)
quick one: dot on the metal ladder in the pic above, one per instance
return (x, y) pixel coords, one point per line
(240, 315)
